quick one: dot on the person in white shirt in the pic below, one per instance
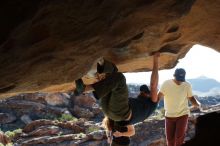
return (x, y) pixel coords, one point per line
(176, 93)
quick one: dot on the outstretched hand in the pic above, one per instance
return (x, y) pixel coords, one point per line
(156, 54)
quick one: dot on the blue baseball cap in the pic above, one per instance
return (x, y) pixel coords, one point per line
(180, 74)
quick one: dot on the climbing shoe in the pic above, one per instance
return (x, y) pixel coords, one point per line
(80, 87)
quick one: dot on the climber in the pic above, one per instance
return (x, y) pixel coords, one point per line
(112, 92)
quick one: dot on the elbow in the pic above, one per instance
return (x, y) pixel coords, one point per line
(133, 133)
(131, 130)
(154, 96)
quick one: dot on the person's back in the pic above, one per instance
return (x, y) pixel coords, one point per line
(142, 106)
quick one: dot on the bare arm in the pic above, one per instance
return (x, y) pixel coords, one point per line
(160, 96)
(109, 136)
(194, 102)
(154, 78)
(130, 132)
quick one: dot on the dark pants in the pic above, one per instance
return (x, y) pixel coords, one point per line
(175, 130)
(115, 144)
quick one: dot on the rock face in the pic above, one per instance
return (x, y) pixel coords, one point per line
(206, 130)
(38, 123)
(20, 110)
(46, 44)
(3, 138)
(6, 118)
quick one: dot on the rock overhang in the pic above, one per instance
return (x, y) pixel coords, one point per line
(46, 45)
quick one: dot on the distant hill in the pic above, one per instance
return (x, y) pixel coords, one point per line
(205, 84)
(202, 86)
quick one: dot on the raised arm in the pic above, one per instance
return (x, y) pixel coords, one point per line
(154, 78)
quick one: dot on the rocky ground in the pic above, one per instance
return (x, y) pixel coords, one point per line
(61, 119)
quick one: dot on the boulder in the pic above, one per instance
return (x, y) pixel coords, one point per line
(3, 138)
(58, 99)
(7, 118)
(82, 112)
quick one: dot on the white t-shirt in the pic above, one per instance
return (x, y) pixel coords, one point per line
(176, 98)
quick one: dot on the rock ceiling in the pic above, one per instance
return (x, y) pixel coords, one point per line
(46, 44)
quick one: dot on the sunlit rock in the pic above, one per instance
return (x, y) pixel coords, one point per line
(46, 45)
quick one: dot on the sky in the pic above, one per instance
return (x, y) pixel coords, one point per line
(199, 61)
